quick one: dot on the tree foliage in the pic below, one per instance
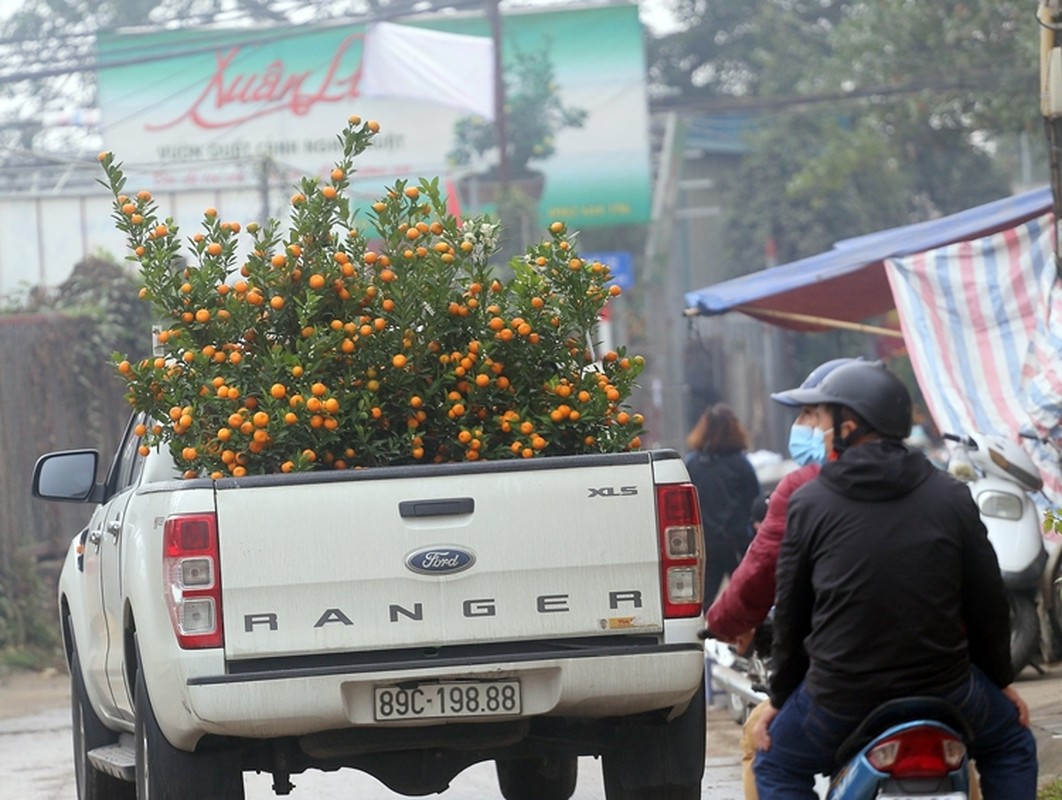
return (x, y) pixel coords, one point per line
(969, 65)
(321, 351)
(871, 113)
(734, 48)
(536, 109)
(55, 343)
(785, 192)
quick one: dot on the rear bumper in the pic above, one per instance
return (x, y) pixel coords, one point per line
(267, 704)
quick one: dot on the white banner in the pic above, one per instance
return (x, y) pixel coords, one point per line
(420, 64)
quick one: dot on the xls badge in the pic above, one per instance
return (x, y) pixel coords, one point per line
(613, 491)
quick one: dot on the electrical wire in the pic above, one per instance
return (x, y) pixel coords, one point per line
(976, 80)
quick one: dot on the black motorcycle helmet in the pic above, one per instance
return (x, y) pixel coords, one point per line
(814, 378)
(870, 390)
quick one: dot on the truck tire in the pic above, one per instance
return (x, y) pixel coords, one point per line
(537, 778)
(661, 761)
(165, 773)
(89, 732)
(1024, 631)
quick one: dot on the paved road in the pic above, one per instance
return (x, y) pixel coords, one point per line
(35, 754)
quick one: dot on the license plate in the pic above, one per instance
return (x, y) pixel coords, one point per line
(946, 796)
(447, 700)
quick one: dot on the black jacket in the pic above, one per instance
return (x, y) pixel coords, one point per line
(726, 486)
(887, 584)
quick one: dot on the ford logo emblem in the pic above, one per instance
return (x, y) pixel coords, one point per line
(440, 560)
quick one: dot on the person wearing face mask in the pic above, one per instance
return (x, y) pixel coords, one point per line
(887, 587)
(747, 599)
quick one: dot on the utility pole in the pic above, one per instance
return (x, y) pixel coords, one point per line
(265, 173)
(1050, 17)
(666, 376)
(500, 131)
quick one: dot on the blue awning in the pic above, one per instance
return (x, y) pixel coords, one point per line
(848, 283)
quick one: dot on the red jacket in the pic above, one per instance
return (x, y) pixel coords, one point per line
(749, 595)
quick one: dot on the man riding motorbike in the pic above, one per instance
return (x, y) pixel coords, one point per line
(887, 586)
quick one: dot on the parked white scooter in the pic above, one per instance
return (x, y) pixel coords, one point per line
(1000, 475)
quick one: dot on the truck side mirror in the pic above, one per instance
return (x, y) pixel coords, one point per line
(69, 475)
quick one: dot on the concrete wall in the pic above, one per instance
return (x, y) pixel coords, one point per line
(43, 235)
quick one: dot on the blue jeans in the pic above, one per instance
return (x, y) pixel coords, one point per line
(805, 736)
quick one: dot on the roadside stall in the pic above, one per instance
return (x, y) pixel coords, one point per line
(978, 301)
(973, 293)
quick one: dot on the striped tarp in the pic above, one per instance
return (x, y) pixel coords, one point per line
(985, 349)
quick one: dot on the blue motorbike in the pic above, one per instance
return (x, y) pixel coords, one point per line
(910, 748)
(913, 748)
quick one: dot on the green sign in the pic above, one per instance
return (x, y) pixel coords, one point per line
(207, 109)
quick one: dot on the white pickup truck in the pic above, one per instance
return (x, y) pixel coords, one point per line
(405, 621)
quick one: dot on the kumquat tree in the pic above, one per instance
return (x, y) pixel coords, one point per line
(320, 351)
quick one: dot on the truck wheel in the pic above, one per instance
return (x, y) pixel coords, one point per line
(1024, 631)
(537, 778)
(89, 732)
(165, 773)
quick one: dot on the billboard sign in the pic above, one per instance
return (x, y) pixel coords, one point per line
(224, 108)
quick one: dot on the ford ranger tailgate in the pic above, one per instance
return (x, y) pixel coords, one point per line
(439, 555)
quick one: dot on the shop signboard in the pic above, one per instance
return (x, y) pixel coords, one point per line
(215, 108)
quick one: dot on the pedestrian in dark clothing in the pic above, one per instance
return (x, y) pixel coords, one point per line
(726, 486)
(887, 586)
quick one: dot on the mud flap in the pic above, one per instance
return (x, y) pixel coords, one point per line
(670, 753)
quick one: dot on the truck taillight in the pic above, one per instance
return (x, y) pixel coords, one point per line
(192, 577)
(678, 515)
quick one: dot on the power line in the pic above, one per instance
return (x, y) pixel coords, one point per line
(210, 41)
(976, 80)
(186, 22)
